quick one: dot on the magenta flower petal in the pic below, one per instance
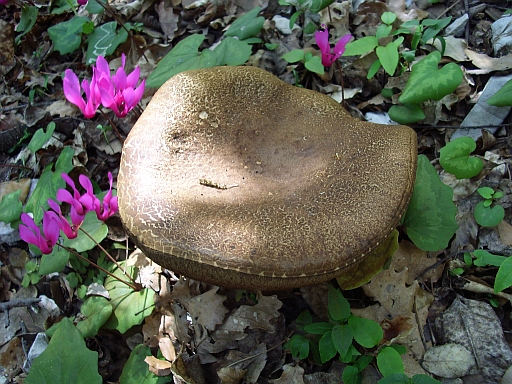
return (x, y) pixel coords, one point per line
(133, 78)
(339, 48)
(51, 228)
(72, 91)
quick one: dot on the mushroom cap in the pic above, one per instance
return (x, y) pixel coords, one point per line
(236, 178)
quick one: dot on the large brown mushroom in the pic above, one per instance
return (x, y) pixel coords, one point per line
(236, 178)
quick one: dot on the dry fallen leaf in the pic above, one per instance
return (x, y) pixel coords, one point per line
(474, 325)
(158, 367)
(292, 374)
(449, 361)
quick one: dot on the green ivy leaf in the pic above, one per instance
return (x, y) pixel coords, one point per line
(41, 137)
(247, 25)
(428, 82)
(366, 332)
(430, 218)
(406, 114)
(326, 347)
(136, 370)
(489, 216)
(103, 41)
(455, 159)
(66, 35)
(339, 308)
(502, 98)
(361, 46)
(129, 307)
(389, 362)
(97, 311)
(48, 184)
(11, 207)
(504, 276)
(66, 360)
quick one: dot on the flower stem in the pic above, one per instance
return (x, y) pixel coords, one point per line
(134, 286)
(110, 257)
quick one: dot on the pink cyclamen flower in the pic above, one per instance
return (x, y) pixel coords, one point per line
(81, 2)
(31, 233)
(4, 2)
(103, 209)
(70, 230)
(73, 93)
(322, 40)
(122, 92)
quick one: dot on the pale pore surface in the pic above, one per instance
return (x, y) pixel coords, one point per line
(231, 169)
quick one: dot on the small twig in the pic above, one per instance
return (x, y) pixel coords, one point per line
(5, 306)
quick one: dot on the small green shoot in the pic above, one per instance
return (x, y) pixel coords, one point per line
(485, 214)
(41, 137)
(504, 276)
(336, 337)
(455, 158)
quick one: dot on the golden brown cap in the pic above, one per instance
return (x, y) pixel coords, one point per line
(234, 177)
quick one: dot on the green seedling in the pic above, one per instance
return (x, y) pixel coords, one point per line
(231, 51)
(391, 367)
(311, 63)
(336, 337)
(455, 158)
(487, 215)
(484, 258)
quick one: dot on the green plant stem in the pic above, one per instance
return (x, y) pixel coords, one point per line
(113, 126)
(110, 257)
(135, 286)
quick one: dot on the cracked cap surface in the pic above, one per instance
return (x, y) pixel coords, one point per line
(234, 177)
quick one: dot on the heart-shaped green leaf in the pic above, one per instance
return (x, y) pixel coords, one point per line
(66, 360)
(428, 82)
(388, 57)
(455, 159)
(489, 216)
